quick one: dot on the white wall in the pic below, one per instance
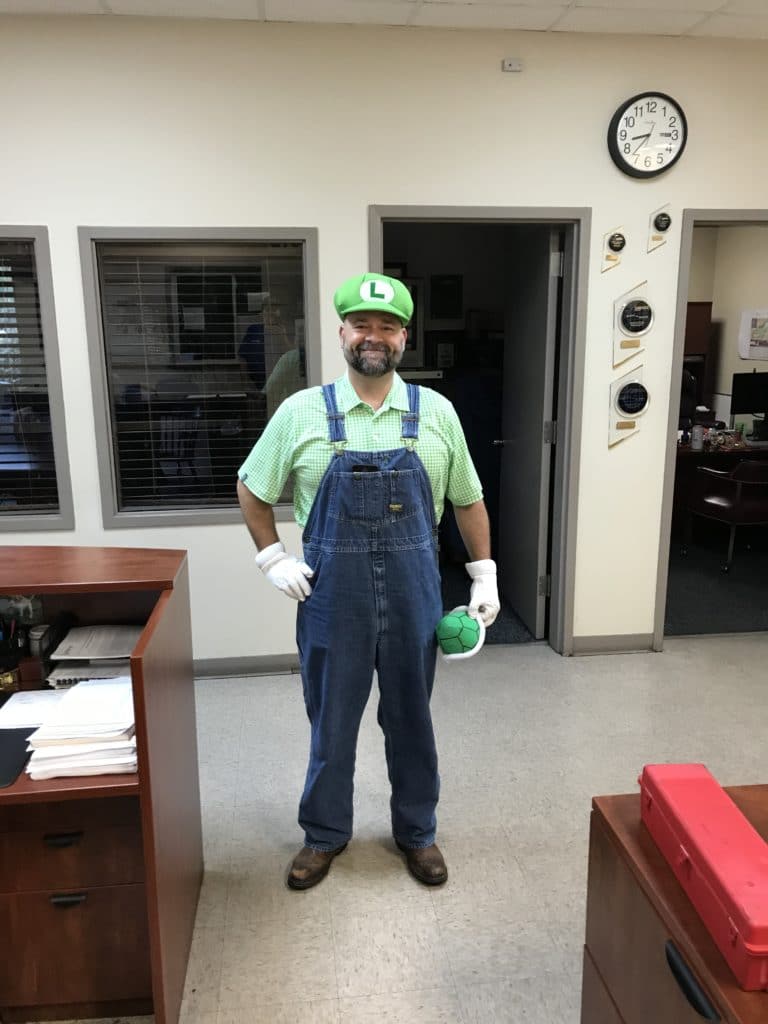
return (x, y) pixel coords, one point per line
(740, 283)
(701, 283)
(116, 121)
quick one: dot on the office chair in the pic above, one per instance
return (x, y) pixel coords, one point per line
(735, 497)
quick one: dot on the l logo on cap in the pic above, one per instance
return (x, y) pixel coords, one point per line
(373, 291)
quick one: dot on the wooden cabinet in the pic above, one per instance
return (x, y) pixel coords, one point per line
(647, 955)
(99, 875)
(700, 351)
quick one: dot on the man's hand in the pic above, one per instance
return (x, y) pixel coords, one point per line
(484, 596)
(284, 571)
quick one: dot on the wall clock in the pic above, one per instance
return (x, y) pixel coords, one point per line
(647, 135)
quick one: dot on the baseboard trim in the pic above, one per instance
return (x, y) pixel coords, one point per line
(269, 665)
(625, 643)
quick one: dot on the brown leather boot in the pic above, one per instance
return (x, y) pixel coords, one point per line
(310, 867)
(426, 864)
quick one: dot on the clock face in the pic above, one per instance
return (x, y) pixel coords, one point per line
(647, 135)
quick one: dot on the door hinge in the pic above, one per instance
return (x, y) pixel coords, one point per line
(545, 586)
(556, 264)
(550, 432)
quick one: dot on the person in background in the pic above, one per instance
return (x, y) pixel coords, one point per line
(373, 460)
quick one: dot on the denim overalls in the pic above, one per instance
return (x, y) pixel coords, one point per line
(375, 603)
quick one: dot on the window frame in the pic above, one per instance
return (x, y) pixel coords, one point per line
(64, 518)
(112, 518)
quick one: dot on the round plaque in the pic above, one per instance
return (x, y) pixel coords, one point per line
(632, 399)
(636, 316)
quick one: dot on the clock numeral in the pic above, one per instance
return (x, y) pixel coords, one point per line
(627, 148)
(629, 121)
(651, 104)
(622, 135)
(647, 162)
(672, 121)
(674, 135)
(660, 157)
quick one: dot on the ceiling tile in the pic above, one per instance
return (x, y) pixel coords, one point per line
(655, 22)
(464, 15)
(51, 7)
(240, 9)
(744, 7)
(345, 12)
(698, 7)
(745, 26)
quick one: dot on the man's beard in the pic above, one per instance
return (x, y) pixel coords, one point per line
(370, 367)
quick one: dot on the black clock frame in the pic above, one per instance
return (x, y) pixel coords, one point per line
(613, 146)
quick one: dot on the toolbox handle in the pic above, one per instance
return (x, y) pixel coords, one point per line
(689, 986)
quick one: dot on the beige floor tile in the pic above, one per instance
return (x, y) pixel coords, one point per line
(371, 875)
(258, 893)
(389, 952)
(201, 989)
(278, 961)
(537, 1000)
(316, 1011)
(433, 1006)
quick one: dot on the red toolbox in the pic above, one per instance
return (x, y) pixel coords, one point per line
(718, 858)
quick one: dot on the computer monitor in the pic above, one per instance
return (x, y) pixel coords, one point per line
(749, 396)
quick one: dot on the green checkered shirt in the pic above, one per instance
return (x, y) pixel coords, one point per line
(295, 443)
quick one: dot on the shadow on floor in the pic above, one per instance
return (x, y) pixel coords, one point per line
(703, 599)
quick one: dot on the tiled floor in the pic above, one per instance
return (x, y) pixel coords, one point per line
(526, 739)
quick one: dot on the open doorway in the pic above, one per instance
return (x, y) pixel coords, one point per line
(716, 487)
(494, 331)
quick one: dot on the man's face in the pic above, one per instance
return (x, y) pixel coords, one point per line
(373, 343)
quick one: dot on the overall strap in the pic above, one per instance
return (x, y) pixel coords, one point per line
(410, 419)
(336, 432)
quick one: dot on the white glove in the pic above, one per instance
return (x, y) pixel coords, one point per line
(285, 571)
(484, 595)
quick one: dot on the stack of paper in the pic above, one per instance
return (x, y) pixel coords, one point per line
(90, 731)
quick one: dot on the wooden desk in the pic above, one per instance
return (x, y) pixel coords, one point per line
(687, 479)
(99, 875)
(635, 906)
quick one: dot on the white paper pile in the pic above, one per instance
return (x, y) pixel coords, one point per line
(90, 731)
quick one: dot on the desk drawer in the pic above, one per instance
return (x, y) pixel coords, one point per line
(596, 1004)
(56, 846)
(628, 943)
(88, 945)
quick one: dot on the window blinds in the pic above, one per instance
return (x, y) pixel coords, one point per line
(202, 341)
(27, 468)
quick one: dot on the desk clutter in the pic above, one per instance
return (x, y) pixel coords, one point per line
(88, 729)
(66, 698)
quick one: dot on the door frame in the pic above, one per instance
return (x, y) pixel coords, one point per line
(576, 225)
(692, 218)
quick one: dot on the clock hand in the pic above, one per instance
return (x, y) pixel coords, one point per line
(642, 140)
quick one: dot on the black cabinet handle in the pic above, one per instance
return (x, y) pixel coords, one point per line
(72, 899)
(689, 986)
(59, 840)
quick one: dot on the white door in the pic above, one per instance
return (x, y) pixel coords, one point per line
(530, 345)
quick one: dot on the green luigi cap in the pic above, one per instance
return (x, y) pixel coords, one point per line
(375, 292)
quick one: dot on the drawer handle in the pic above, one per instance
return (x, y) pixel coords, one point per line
(72, 899)
(689, 986)
(59, 840)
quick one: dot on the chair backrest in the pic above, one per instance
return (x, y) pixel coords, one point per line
(751, 471)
